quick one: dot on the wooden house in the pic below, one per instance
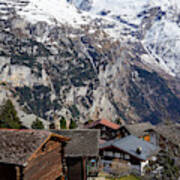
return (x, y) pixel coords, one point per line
(108, 129)
(169, 138)
(136, 152)
(31, 155)
(145, 130)
(81, 152)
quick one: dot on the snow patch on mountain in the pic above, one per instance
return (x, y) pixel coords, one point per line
(52, 11)
(155, 23)
(163, 42)
(127, 9)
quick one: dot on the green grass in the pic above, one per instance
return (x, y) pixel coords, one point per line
(130, 177)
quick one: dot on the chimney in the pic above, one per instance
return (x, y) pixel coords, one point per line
(139, 150)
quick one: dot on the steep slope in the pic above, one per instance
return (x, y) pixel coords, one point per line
(156, 23)
(58, 64)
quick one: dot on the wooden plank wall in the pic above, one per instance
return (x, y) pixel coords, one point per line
(46, 164)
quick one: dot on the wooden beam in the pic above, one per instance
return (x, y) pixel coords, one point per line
(61, 138)
(18, 173)
(84, 168)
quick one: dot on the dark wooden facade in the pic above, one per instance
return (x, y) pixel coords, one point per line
(8, 172)
(76, 168)
(107, 133)
(46, 164)
(82, 148)
(46, 161)
(108, 130)
(112, 153)
(80, 168)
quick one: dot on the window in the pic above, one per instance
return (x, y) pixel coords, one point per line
(117, 155)
(108, 153)
(127, 157)
(121, 155)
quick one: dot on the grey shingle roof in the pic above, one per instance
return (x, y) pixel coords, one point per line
(129, 144)
(171, 132)
(82, 142)
(16, 146)
(139, 128)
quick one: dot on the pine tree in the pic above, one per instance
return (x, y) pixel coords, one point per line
(63, 123)
(37, 124)
(9, 117)
(118, 121)
(72, 125)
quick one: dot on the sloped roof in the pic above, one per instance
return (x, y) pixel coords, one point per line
(130, 144)
(17, 146)
(105, 123)
(83, 142)
(139, 129)
(171, 132)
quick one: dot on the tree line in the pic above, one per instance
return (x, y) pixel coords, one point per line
(9, 119)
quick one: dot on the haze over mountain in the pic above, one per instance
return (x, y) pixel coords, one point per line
(92, 59)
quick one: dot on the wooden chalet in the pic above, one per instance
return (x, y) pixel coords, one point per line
(132, 150)
(81, 152)
(31, 155)
(169, 138)
(108, 129)
(145, 130)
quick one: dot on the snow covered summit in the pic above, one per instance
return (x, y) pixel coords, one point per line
(155, 23)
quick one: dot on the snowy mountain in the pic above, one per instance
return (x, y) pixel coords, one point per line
(91, 59)
(155, 23)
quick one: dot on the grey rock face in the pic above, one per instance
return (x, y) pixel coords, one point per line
(59, 70)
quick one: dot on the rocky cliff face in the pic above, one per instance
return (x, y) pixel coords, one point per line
(155, 23)
(55, 69)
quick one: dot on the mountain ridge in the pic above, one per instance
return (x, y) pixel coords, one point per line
(54, 68)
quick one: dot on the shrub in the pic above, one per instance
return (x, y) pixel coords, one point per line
(9, 117)
(63, 123)
(72, 125)
(37, 124)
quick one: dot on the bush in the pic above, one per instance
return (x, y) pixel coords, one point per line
(9, 117)
(72, 125)
(63, 123)
(37, 124)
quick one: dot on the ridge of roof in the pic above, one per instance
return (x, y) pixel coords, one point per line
(129, 144)
(105, 122)
(83, 142)
(17, 146)
(138, 129)
(171, 132)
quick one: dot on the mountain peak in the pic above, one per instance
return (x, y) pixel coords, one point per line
(58, 60)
